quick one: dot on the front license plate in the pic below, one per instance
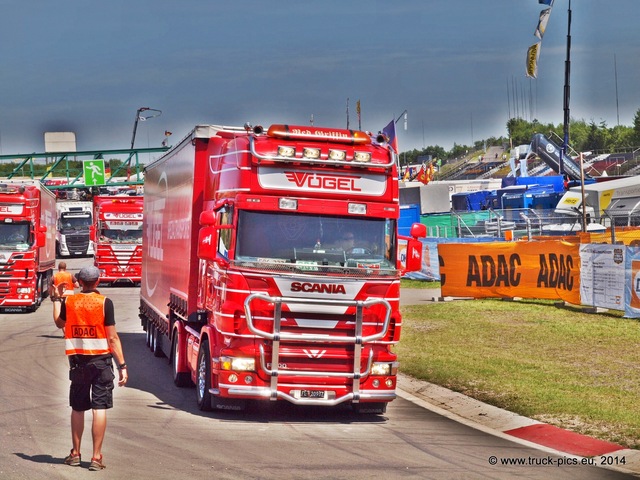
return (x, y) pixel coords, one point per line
(321, 394)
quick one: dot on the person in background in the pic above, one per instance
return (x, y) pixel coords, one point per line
(63, 282)
(347, 241)
(91, 343)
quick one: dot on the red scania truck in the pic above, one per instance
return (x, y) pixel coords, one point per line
(27, 244)
(270, 266)
(117, 238)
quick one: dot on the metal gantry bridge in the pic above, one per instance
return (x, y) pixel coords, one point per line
(128, 171)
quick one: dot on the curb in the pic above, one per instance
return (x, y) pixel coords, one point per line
(513, 427)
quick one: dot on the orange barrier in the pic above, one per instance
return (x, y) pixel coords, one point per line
(547, 269)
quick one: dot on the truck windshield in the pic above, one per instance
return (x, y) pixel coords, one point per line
(113, 235)
(14, 235)
(75, 222)
(313, 241)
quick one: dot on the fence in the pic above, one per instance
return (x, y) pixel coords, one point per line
(528, 223)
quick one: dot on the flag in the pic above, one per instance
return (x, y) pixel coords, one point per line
(542, 23)
(533, 52)
(390, 132)
(167, 133)
(407, 174)
(430, 172)
(546, 2)
(422, 175)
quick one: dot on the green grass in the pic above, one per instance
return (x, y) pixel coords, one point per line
(406, 283)
(558, 365)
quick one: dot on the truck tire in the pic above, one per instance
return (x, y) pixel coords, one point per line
(180, 379)
(148, 331)
(203, 385)
(157, 343)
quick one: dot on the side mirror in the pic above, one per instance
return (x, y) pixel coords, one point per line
(208, 218)
(92, 233)
(41, 239)
(207, 249)
(208, 245)
(414, 255)
(413, 261)
(418, 230)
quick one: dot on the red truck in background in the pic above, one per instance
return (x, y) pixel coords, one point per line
(117, 238)
(27, 244)
(270, 266)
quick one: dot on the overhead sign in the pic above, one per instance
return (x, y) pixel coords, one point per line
(93, 172)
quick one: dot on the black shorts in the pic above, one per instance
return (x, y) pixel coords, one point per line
(91, 385)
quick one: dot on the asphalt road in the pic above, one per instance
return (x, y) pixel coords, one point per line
(156, 431)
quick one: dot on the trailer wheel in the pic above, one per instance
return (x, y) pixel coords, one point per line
(148, 330)
(157, 343)
(180, 379)
(203, 395)
(150, 333)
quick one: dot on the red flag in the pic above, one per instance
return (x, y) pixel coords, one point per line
(422, 175)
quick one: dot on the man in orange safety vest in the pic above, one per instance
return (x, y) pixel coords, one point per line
(91, 343)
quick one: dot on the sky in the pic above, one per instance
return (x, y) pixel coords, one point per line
(456, 67)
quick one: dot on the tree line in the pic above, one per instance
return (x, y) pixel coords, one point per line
(594, 137)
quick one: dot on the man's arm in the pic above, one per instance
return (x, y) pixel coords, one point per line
(116, 350)
(57, 309)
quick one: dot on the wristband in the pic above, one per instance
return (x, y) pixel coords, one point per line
(124, 365)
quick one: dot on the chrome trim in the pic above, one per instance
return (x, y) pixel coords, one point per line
(358, 339)
(312, 373)
(373, 395)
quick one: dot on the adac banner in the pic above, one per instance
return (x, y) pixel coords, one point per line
(543, 269)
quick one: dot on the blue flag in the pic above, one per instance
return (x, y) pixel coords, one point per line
(546, 2)
(390, 132)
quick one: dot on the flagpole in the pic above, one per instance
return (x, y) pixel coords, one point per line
(567, 77)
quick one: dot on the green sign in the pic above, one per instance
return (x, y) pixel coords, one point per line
(93, 172)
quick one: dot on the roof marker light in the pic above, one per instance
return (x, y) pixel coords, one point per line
(311, 153)
(284, 151)
(337, 155)
(362, 157)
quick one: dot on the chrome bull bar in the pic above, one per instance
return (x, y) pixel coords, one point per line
(276, 336)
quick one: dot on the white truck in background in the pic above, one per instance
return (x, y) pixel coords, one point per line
(601, 201)
(74, 218)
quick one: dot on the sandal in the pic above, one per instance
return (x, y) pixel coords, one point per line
(96, 464)
(73, 459)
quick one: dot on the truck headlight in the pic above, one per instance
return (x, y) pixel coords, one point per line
(23, 290)
(384, 369)
(238, 364)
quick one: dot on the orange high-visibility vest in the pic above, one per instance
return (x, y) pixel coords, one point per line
(63, 277)
(84, 330)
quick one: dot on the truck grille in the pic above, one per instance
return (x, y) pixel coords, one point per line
(309, 351)
(78, 243)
